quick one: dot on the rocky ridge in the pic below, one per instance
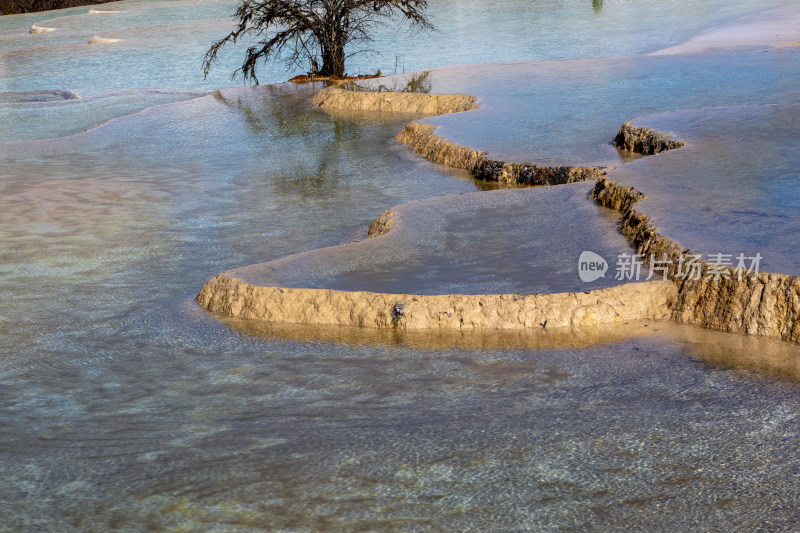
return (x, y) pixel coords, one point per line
(729, 299)
(766, 304)
(232, 297)
(336, 97)
(423, 139)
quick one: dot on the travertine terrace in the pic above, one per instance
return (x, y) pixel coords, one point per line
(767, 305)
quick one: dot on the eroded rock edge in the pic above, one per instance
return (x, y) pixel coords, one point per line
(736, 301)
(423, 139)
(767, 305)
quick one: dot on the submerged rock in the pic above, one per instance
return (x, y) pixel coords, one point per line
(35, 28)
(102, 40)
(22, 97)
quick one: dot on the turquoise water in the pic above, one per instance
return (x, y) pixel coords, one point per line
(125, 407)
(107, 219)
(733, 189)
(164, 41)
(56, 118)
(565, 112)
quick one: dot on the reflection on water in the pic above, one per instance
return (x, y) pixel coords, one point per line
(109, 235)
(745, 354)
(124, 407)
(418, 82)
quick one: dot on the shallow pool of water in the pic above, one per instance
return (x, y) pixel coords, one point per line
(733, 189)
(163, 42)
(499, 242)
(149, 206)
(567, 112)
(44, 118)
(125, 407)
(202, 428)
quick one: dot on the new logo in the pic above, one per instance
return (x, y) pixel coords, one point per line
(591, 266)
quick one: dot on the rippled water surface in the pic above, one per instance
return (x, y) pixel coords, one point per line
(208, 430)
(125, 407)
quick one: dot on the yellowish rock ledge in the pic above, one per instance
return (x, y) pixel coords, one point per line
(768, 305)
(336, 97)
(231, 297)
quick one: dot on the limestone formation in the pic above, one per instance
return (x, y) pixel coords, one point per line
(35, 28)
(382, 225)
(726, 300)
(530, 174)
(644, 140)
(231, 297)
(336, 97)
(732, 301)
(422, 139)
(102, 40)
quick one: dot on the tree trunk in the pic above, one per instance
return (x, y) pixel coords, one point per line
(333, 39)
(333, 61)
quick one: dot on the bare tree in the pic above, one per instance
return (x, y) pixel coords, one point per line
(313, 32)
